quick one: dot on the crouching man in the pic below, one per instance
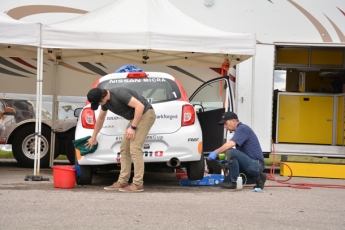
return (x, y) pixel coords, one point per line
(247, 157)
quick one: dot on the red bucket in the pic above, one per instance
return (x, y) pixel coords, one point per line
(64, 176)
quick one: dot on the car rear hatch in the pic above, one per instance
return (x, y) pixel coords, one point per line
(168, 120)
(160, 90)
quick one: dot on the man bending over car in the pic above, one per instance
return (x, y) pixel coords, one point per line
(135, 108)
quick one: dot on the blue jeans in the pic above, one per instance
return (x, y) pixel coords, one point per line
(242, 162)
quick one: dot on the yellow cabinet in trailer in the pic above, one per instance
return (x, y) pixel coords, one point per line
(305, 118)
(340, 139)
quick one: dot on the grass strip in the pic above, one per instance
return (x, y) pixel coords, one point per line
(9, 155)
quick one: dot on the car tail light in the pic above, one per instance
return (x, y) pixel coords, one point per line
(188, 115)
(137, 75)
(88, 119)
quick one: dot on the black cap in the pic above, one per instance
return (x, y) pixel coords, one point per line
(94, 97)
(228, 116)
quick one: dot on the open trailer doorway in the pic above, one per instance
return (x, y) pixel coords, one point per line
(309, 97)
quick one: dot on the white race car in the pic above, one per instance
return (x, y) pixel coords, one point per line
(175, 139)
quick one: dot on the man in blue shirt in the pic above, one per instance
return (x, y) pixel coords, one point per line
(247, 156)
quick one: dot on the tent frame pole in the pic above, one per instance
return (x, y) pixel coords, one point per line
(54, 114)
(38, 122)
(38, 125)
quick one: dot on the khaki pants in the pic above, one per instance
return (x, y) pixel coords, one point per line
(132, 150)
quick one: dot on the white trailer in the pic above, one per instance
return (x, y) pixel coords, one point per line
(306, 41)
(17, 128)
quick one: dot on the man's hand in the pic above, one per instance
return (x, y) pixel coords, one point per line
(91, 142)
(212, 156)
(130, 133)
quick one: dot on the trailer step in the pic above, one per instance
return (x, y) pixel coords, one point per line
(319, 170)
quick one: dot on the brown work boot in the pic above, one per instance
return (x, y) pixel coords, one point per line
(117, 185)
(132, 188)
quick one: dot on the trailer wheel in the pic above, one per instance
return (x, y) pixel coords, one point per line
(69, 148)
(196, 169)
(23, 146)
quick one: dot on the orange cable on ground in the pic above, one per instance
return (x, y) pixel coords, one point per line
(294, 185)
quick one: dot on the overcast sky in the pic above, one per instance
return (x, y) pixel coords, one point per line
(279, 79)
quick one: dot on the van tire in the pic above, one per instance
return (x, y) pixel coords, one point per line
(196, 169)
(23, 146)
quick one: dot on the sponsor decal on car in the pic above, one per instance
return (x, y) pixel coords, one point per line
(192, 139)
(137, 80)
(154, 137)
(115, 118)
(149, 137)
(158, 153)
(118, 138)
(154, 80)
(145, 154)
(165, 116)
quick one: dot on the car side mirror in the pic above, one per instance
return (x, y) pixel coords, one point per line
(77, 112)
(9, 111)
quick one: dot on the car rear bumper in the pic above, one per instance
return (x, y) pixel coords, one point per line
(184, 145)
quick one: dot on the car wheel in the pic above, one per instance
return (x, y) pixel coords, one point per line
(23, 146)
(86, 174)
(196, 169)
(69, 148)
(213, 167)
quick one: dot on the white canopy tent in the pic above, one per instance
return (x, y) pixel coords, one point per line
(144, 31)
(18, 38)
(18, 32)
(22, 39)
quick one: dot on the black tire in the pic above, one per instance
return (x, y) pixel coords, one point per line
(86, 175)
(213, 167)
(86, 172)
(23, 146)
(69, 148)
(196, 169)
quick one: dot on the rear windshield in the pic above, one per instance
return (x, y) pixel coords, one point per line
(155, 90)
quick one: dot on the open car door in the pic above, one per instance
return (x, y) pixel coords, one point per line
(210, 101)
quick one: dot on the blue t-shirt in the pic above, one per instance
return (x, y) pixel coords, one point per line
(247, 142)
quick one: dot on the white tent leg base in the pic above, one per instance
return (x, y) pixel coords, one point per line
(35, 178)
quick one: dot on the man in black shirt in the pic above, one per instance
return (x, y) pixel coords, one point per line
(135, 108)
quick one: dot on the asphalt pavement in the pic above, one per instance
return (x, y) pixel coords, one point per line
(164, 204)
